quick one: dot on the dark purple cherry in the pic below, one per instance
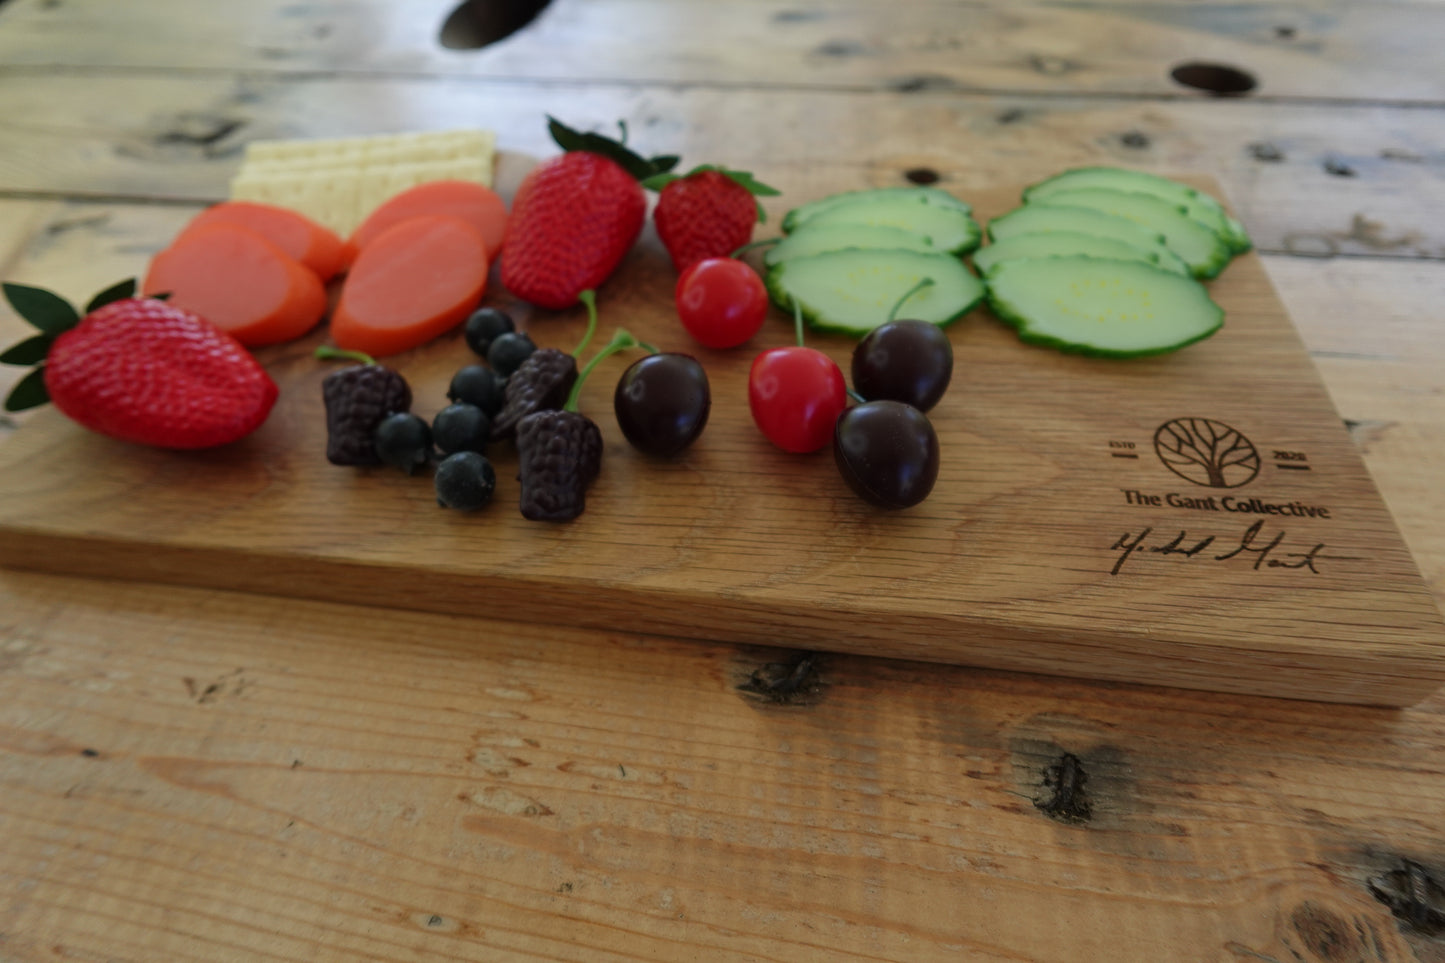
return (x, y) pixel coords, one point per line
(907, 361)
(887, 452)
(662, 403)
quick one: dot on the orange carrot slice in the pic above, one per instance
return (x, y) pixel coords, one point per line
(414, 281)
(240, 282)
(317, 247)
(474, 203)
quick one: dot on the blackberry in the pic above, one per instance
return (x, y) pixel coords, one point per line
(357, 398)
(508, 351)
(540, 384)
(560, 454)
(461, 428)
(403, 440)
(465, 481)
(485, 326)
(479, 385)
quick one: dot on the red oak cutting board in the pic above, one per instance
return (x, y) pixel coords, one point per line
(1199, 520)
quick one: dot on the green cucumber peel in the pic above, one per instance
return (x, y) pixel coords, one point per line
(1101, 308)
(850, 291)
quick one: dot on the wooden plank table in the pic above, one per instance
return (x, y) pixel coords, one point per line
(194, 774)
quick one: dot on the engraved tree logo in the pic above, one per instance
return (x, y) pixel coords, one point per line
(1206, 452)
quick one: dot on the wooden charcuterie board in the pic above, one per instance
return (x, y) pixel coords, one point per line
(1072, 530)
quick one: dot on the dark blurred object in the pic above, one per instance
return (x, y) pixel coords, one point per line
(477, 23)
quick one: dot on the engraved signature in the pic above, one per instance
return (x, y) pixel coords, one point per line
(1266, 554)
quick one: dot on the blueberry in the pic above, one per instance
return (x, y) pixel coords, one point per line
(485, 326)
(481, 386)
(461, 427)
(403, 440)
(508, 351)
(465, 481)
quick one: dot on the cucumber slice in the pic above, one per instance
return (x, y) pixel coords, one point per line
(1236, 235)
(852, 292)
(1103, 308)
(950, 229)
(798, 216)
(822, 238)
(1035, 218)
(1057, 243)
(1202, 249)
(1200, 206)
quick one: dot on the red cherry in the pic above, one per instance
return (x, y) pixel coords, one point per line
(721, 301)
(796, 395)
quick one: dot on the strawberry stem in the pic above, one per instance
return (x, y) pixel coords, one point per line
(589, 298)
(328, 353)
(621, 341)
(925, 283)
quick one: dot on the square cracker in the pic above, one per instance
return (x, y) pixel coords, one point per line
(339, 182)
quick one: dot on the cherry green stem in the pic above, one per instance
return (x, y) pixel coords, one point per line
(621, 341)
(798, 322)
(856, 396)
(589, 298)
(765, 242)
(327, 353)
(925, 283)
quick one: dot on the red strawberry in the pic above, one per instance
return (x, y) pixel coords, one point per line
(138, 369)
(710, 212)
(574, 217)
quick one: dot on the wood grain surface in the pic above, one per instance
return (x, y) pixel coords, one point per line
(1323, 50)
(197, 775)
(1313, 180)
(314, 781)
(1056, 539)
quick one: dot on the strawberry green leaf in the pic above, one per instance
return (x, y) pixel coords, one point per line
(743, 179)
(28, 352)
(575, 140)
(29, 392)
(754, 187)
(48, 312)
(116, 292)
